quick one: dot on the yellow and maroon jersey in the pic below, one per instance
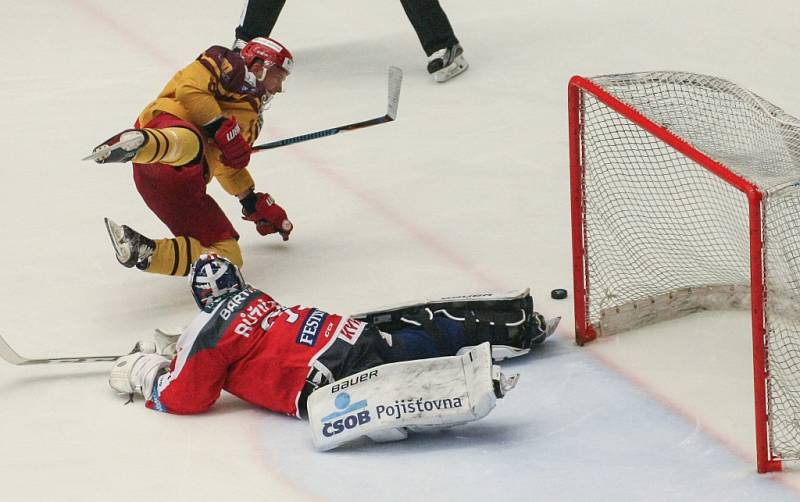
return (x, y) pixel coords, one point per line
(216, 83)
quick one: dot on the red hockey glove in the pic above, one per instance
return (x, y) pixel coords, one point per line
(269, 217)
(235, 150)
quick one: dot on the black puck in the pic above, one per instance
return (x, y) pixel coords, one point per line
(558, 294)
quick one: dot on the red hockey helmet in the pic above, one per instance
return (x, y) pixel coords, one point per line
(269, 51)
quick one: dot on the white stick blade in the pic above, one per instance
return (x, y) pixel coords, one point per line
(7, 353)
(395, 81)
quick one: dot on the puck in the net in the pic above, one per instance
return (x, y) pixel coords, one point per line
(558, 294)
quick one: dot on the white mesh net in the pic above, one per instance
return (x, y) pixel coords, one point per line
(665, 237)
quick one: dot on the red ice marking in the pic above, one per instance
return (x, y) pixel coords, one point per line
(132, 37)
(419, 234)
(680, 410)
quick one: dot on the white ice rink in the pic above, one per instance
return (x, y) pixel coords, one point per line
(466, 191)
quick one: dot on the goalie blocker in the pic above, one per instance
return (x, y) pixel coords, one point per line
(385, 402)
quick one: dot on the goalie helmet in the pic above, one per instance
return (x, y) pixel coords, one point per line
(268, 50)
(213, 277)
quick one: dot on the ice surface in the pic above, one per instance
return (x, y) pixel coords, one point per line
(466, 191)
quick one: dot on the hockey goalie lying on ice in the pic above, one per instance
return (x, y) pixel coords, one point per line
(377, 374)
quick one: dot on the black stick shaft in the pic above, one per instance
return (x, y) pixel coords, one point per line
(322, 134)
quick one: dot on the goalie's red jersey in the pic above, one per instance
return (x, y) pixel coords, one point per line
(254, 348)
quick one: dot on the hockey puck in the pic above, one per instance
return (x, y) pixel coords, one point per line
(558, 294)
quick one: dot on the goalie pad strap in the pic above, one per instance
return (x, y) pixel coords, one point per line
(488, 326)
(425, 319)
(471, 328)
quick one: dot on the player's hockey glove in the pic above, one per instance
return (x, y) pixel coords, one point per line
(268, 216)
(228, 135)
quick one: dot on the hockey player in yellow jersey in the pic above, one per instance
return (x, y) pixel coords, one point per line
(200, 127)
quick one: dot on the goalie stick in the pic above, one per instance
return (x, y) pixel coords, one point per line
(395, 80)
(10, 355)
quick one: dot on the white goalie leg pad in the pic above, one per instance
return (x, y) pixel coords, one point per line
(384, 402)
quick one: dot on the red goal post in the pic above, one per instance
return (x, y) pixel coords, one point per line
(685, 194)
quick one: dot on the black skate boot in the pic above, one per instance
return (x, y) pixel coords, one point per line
(446, 63)
(516, 339)
(534, 331)
(121, 147)
(131, 247)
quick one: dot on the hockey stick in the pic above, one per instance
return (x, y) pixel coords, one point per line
(10, 355)
(395, 80)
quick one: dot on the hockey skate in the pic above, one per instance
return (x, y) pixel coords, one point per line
(131, 247)
(121, 147)
(447, 63)
(533, 331)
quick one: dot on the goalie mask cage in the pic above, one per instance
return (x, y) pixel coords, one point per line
(686, 197)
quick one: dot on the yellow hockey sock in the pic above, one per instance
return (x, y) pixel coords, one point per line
(174, 146)
(175, 256)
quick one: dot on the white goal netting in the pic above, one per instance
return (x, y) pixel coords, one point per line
(664, 236)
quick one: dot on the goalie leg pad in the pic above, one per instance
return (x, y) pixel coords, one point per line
(385, 401)
(391, 317)
(507, 321)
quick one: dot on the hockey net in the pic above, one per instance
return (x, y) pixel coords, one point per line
(686, 197)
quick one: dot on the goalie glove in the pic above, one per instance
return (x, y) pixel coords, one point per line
(136, 373)
(228, 136)
(164, 343)
(268, 216)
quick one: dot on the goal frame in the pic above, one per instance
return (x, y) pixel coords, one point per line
(584, 332)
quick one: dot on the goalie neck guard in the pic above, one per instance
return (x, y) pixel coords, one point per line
(213, 277)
